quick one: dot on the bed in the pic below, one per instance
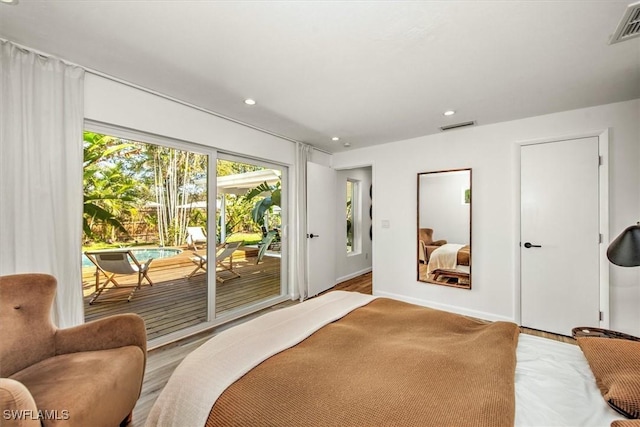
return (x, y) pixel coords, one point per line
(278, 369)
(449, 257)
(449, 264)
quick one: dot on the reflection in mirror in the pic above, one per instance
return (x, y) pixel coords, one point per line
(444, 228)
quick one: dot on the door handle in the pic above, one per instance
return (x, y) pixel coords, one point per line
(311, 236)
(529, 245)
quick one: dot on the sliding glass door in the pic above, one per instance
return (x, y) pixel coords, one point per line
(250, 228)
(181, 235)
(146, 229)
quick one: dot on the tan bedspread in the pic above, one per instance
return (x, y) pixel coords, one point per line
(387, 363)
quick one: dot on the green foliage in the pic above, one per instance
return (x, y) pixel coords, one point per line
(238, 208)
(238, 215)
(247, 238)
(261, 206)
(228, 167)
(175, 177)
(108, 189)
(349, 212)
(122, 176)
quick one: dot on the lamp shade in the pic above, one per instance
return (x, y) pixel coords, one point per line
(625, 249)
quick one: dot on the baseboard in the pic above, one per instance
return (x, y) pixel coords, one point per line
(450, 308)
(353, 275)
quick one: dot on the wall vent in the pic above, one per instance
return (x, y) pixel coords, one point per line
(629, 26)
(458, 125)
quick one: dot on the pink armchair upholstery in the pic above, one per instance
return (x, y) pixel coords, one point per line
(88, 375)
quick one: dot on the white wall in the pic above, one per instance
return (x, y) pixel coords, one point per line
(492, 151)
(115, 103)
(357, 263)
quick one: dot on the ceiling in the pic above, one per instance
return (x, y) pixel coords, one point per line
(368, 72)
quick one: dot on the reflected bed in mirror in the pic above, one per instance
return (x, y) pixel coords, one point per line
(444, 228)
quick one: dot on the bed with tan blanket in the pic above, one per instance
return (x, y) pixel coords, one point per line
(449, 257)
(348, 359)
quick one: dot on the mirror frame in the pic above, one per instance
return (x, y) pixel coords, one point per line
(419, 263)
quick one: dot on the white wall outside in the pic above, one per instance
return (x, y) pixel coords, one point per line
(492, 152)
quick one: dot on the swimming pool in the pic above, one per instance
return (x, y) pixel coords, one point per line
(142, 254)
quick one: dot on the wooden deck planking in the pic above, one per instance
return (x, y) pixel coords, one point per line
(175, 302)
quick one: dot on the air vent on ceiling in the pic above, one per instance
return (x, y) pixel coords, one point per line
(629, 26)
(458, 125)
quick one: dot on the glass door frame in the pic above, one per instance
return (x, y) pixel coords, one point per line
(212, 155)
(284, 251)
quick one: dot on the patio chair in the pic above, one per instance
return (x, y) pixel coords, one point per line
(225, 252)
(118, 261)
(195, 235)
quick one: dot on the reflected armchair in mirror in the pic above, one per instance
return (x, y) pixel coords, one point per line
(427, 244)
(444, 205)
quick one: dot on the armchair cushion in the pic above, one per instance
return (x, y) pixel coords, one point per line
(15, 398)
(92, 372)
(94, 388)
(25, 316)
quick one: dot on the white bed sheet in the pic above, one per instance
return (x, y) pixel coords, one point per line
(555, 387)
(554, 384)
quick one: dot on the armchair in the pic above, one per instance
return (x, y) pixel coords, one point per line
(427, 244)
(87, 375)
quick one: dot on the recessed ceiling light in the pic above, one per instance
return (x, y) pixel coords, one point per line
(346, 144)
(10, 2)
(335, 138)
(250, 101)
(449, 113)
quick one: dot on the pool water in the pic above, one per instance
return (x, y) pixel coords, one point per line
(142, 254)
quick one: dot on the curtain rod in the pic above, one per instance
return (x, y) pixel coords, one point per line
(161, 95)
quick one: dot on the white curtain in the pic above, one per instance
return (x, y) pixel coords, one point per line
(303, 153)
(41, 124)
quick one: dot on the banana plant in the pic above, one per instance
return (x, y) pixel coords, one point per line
(261, 206)
(106, 189)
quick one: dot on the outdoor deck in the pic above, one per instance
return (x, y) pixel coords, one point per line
(175, 302)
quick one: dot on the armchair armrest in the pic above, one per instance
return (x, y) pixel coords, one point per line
(18, 407)
(422, 254)
(438, 243)
(110, 332)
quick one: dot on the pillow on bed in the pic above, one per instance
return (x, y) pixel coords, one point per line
(616, 365)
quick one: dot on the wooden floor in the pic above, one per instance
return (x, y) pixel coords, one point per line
(161, 362)
(176, 302)
(362, 284)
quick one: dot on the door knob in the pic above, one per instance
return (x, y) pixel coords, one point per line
(529, 245)
(311, 236)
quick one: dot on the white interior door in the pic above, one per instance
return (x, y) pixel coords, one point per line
(559, 246)
(321, 231)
